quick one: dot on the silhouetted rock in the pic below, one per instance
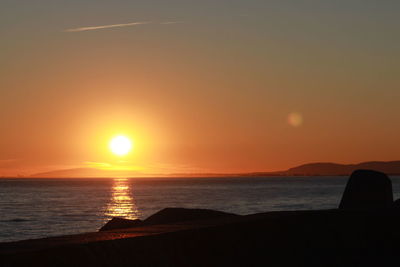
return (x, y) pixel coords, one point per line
(396, 205)
(333, 238)
(165, 216)
(367, 190)
(119, 223)
(171, 215)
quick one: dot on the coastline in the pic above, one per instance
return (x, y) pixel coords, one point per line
(363, 231)
(286, 238)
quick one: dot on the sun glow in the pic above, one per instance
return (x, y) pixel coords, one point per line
(120, 145)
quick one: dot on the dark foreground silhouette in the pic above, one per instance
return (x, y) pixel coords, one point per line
(367, 190)
(361, 234)
(167, 216)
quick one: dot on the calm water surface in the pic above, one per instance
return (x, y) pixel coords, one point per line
(34, 208)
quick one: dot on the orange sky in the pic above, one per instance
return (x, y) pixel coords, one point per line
(205, 87)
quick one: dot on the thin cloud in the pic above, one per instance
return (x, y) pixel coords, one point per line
(92, 28)
(171, 22)
(112, 167)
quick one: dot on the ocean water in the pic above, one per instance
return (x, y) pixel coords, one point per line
(36, 208)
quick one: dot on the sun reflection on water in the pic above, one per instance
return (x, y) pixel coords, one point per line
(122, 203)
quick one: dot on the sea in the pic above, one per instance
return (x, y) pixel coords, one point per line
(37, 208)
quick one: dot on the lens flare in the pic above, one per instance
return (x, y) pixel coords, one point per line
(295, 119)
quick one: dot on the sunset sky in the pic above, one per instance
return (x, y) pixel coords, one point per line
(198, 86)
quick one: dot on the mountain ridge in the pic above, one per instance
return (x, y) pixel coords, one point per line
(329, 168)
(308, 169)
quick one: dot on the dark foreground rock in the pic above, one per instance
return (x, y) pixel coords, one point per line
(297, 238)
(165, 216)
(396, 205)
(363, 232)
(172, 215)
(367, 190)
(120, 223)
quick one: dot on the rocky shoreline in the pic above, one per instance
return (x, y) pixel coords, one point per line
(364, 231)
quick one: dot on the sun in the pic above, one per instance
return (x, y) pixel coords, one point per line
(120, 145)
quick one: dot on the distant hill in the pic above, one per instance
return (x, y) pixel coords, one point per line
(332, 169)
(87, 173)
(390, 167)
(310, 169)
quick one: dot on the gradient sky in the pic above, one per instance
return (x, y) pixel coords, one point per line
(200, 86)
